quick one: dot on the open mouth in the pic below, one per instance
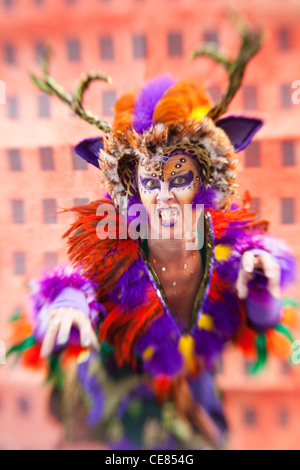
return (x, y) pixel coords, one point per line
(168, 217)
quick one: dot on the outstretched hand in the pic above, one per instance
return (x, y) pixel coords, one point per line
(266, 264)
(59, 328)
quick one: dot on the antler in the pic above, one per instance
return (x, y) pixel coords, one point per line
(251, 41)
(74, 101)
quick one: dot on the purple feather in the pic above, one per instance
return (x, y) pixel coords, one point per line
(205, 196)
(208, 345)
(130, 290)
(146, 101)
(163, 337)
(51, 286)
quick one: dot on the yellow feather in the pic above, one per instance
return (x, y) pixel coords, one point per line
(222, 252)
(206, 322)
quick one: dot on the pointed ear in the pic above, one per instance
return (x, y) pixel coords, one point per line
(239, 129)
(89, 149)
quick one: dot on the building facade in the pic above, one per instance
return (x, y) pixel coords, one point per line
(133, 41)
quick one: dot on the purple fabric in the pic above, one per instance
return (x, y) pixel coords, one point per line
(146, 101)
(93, 391)
(263, 310)
(203, 390)
(89, 149)
(71, 297)
(239, 129)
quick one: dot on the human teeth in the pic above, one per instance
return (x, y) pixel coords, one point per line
(168, 214)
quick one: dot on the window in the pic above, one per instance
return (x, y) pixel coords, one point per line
(78, 162)
(46, 158)
(284, 39)
(23, 405)
(288, 153)
(283, 417)
(215, 93)
(81, 201)
(285, 368)
(73, 49)
(15, 160)
(40, 48)
(211, 36)
(106, 48)
(248, 365)
(287, 210)
(252, 155)
(2, 92)
(50, 259)
(49, 211)
(18, 213)
(255, 206)
(175, 48)
(250, 416)
(8, 3)
(286, 99)
(139, 47)
(249, 97)
(44, 106)
(9, 54)
(19, 263)
(108, 102)
(12, 107)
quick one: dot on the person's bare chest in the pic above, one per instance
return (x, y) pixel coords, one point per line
(180, 283)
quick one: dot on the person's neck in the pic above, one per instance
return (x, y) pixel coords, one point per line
(168, 250)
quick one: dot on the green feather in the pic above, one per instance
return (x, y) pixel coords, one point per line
(30, 341)
(55, 372)
(16, 316)
(285, 331)
(287, 302)
(261, 355)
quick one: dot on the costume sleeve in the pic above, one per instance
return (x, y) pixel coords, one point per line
(64, 287)
(262, 309)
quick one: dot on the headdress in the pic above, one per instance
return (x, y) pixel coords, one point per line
(166, 118)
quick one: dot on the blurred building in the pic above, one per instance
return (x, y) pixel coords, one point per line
(132, 41)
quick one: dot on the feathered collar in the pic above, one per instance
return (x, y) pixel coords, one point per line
(139, 324)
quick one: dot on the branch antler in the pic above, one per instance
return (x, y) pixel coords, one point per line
(251, 41)
(74, 100)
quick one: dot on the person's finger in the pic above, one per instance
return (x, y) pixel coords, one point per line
(49, 340)
(274, 281)
(64, 330)
(248, 261)
(94, 342)
(87, 335)
(265, 262)
(242, 283)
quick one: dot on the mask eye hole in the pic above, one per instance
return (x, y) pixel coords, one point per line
(151, 184)
(179, 180)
